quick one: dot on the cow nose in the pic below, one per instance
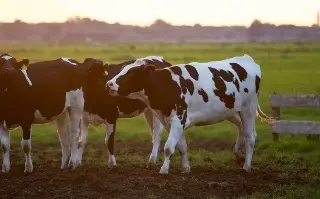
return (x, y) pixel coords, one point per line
(110, 84)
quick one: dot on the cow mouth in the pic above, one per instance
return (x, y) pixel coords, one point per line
(111, 91)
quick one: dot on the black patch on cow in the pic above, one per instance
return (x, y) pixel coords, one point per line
(176, 70)
(257, 83)
(246, 90)
(236, 83)
(161, 84)
(186, 85)
(219, 76)
(241, 72)
(204, 95)
(193, 72)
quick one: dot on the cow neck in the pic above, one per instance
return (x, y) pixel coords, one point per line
(149, 85)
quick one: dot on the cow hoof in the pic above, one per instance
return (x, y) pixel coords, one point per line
(28, 169)
(152, 161)
(186, 170)
(112, 164)
(5, 168)
(247, 168)
(164, 170)
(73, 165)
(112, 161)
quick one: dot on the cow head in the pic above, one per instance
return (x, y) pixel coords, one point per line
(95, 67)
(96, 74)
(131, 79)
(11, 71)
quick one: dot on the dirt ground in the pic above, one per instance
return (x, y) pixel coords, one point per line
(136, 181)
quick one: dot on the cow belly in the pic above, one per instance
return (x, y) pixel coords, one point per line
(95, 119)
(207, 114)
(40, 118)
(130, 115)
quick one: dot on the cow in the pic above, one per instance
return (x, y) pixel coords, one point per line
(196, 94)
(39, 93)
(102, 108)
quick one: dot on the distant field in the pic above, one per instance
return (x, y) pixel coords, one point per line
(289, 168)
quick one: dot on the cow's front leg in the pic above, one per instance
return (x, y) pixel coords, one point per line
(176, 131)
(109, 143)
(26, 147)
(5, 144)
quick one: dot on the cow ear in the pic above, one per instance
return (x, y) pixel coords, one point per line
(23, 64)
(150, 68)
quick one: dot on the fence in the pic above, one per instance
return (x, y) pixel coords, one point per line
(309, 128)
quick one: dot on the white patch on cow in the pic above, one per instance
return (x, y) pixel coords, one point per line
(26, 147)
(68, 60)
(6, 57)
(27, 77)
(112, 160)
(5, 142)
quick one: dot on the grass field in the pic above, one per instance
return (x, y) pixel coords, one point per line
(289, 168)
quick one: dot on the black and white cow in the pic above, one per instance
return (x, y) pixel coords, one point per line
(43, 92)
(195, 94)
(101, 108)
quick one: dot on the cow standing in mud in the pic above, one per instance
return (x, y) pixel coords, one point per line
(195, 94)
(41, 93)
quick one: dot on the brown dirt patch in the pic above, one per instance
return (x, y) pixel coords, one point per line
(135, 181)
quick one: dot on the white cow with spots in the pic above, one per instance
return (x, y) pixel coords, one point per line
(196, 94)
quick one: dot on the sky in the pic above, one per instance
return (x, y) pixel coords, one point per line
(177, 12)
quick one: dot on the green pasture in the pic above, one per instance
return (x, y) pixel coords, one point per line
(286, 68)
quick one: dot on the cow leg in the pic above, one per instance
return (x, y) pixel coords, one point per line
(156, 129)
(176, 130)
(26, 147)
(109, 143)
(248, 115)
(182, 147)
(64, 136)
(75, 112)
(83, 141)
(237, 149)
(5, 144)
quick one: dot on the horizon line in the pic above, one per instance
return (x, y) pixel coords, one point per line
(150, 23)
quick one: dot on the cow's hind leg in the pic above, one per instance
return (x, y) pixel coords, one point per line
(182, 147)
(63, 129)
(248, 116)
(5, 144)
(156, 129)
(238, 146)
(75, 112)
(83, 138)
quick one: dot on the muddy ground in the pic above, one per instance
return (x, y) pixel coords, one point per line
(129, 180)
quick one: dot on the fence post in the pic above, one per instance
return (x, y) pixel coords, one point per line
(276, 114)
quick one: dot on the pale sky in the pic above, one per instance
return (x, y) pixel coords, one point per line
(178, 12)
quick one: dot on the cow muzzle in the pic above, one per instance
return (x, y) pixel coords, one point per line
(111, 88)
